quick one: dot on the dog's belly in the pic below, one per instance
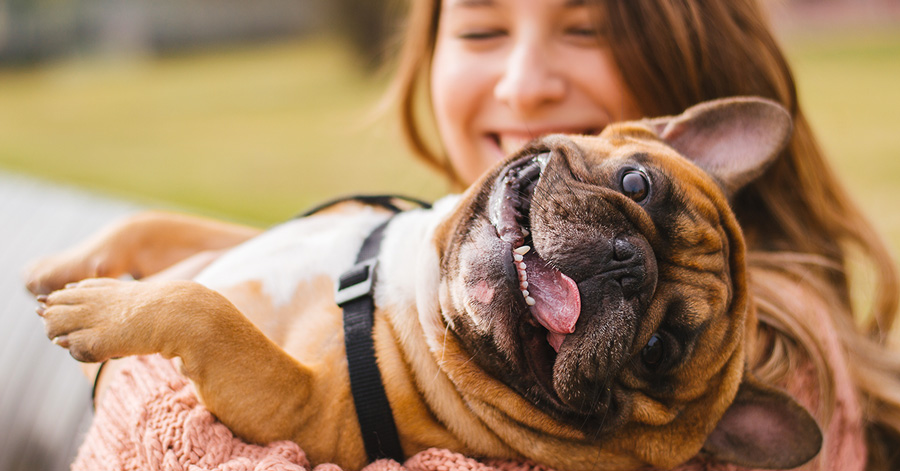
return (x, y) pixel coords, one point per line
(283, 280)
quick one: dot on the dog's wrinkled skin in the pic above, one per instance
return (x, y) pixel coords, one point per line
(631, 355)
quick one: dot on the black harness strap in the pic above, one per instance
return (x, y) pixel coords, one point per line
(385, 201)
(355, 295)
(355, 289)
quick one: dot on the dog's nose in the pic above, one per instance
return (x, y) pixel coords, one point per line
(631, 273)
(623, 250)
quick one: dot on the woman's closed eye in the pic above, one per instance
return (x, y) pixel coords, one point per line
(481, 34)
(583, 35)
(585, 31)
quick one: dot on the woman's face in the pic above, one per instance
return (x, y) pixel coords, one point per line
(507, 71)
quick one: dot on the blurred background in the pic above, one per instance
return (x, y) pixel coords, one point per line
(247, 110)
(253, 111)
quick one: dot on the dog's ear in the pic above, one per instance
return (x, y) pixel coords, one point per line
(764, 428)
(732, 139)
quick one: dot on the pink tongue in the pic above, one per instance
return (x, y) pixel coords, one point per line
(557, 303)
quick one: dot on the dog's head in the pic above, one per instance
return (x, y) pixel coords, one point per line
(602, 279)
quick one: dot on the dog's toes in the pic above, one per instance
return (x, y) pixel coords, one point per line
(85, 346)
(39, 280)
(56, 271)
(62, 341)
(63, 320)
(87, 291)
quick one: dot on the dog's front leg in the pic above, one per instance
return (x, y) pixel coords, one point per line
(139, 245)
(240, 374)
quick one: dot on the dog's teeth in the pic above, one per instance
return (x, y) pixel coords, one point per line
(522, 266)
(529, 300)
(518, 257)
(525, 232)
(525, 293)
(523, 285)
(522, 250)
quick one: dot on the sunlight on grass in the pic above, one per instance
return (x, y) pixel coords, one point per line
(255, 134)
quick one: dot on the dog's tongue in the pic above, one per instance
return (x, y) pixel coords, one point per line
(557, 303)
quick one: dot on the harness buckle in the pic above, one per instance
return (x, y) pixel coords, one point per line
(356, 282)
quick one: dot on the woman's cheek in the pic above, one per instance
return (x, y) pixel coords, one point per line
(460, 84)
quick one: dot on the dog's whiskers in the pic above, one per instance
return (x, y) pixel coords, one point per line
(443, 351)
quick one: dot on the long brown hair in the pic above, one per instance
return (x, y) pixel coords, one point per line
(799, 221)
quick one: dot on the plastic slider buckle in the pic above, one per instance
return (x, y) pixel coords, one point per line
(356, 282)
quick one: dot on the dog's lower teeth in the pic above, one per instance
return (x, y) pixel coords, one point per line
(522, 250)
(529, 300)
(525, 293)
(517, 257)
(523, 285)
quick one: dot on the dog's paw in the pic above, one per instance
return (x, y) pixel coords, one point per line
(54, 272)
(101, 318)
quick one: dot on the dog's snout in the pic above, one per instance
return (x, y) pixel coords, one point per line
(623, 250)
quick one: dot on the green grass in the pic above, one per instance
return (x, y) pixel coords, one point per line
(253, 134)
(258, 133)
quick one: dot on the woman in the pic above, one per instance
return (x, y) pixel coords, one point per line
(655, 58)
(499, 72)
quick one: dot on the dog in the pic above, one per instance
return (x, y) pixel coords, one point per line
(584, 305)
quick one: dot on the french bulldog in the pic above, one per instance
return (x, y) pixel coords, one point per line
(584, 305)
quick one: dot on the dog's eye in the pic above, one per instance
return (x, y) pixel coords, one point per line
(635, 185)
(654, 353)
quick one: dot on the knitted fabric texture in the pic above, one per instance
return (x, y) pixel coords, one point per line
(150, 419)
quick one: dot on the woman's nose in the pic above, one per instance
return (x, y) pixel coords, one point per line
(530, 80)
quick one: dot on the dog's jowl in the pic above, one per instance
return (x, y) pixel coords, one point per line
(584, 305)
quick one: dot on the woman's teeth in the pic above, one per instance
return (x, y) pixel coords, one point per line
(519, 259)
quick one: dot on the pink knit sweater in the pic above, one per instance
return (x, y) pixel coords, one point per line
(150, 419)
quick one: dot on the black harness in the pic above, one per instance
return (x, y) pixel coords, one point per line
(355, 296)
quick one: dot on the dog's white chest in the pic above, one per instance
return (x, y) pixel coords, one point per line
(293, 253)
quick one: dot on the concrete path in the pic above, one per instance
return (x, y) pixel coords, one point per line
(44, 399)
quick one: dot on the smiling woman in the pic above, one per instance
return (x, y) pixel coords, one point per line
(503, 73)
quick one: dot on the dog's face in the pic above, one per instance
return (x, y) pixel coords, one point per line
(626, 278)
(602, 279)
